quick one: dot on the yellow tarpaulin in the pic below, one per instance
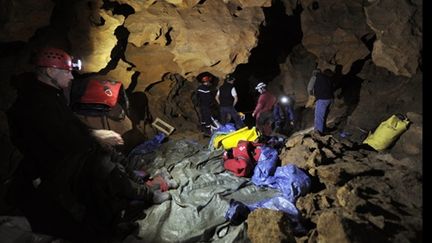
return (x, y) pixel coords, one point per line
(230, 140)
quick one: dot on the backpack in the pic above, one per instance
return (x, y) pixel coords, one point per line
(241, 160)
(101, 103)
(97, 95)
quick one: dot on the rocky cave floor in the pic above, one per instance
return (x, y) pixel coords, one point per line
(357, 194)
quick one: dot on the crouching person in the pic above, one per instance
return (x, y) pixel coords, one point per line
(284, 115)
(66, 185)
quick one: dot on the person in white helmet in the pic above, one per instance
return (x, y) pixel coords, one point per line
(263, 109)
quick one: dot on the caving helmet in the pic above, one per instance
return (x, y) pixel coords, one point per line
(56, 58)
(206, 78)
(260, 87)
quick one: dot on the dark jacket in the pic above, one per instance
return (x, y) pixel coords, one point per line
(58, 149)
(46, 131)
(323, 88)
(205, 96)
(225, 96)
(81, 191)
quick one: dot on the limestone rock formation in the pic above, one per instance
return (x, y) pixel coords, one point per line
(333, 32)
(92, 36)
(362, 192)
(20, 19)
(265, 225)
(399, 31)
(208, 37)
(158, 47)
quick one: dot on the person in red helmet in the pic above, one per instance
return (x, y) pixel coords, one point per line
(205, 101)
(66, 184)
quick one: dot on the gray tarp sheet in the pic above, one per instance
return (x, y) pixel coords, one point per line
(197, 211)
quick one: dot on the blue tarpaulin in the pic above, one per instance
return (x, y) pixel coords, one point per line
(290, 180)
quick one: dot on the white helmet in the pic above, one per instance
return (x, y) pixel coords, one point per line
(260, 87)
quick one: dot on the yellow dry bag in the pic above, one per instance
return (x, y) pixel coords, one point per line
(387, 132)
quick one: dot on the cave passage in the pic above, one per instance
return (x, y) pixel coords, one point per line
(278, 36)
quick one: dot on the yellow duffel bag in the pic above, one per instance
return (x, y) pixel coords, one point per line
(387, 132)
(230, 140)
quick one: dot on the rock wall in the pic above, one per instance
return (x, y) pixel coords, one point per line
(157, 48)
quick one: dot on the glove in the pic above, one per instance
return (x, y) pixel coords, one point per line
(310, 102)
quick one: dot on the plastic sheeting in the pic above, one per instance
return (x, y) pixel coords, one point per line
(291, 181)
(197, 211)
(144, 152)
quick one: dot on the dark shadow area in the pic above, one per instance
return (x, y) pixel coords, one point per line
(133, 84)
(350, 86)
(119, 50)
(278, 36)
(11, 48)
(119, 9)
(122, 34)
(377, 211)
(316, 185)
(138, 112)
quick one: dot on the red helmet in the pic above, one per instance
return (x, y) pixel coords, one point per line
(206, 78)
(55, 58)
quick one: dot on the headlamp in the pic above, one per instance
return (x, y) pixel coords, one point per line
(76, 64)
(284, 100)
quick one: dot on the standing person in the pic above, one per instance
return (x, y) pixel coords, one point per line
(226, 97)
(310, 88)
(66, 185)
(263, 109)
(283, 114)
(205, 101)
(323, 91)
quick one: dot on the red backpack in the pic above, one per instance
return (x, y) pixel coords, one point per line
(241, 160)
(101, 92)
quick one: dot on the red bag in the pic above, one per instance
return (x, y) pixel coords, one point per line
(101, 92)
(242, 159)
